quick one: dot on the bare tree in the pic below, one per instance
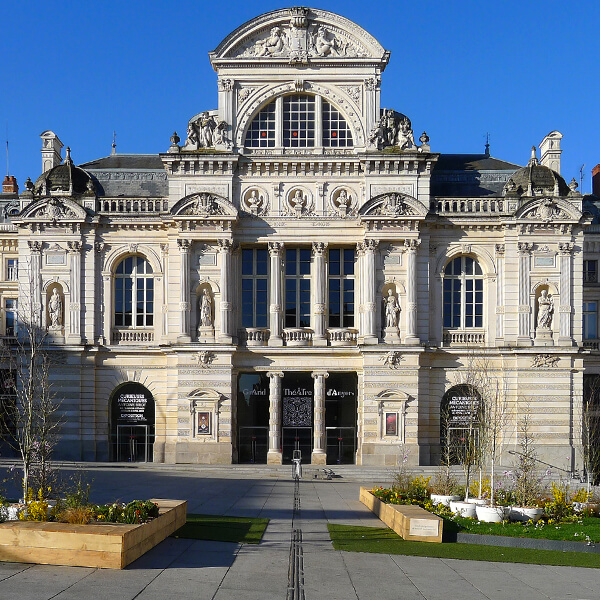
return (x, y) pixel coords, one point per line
(590, 429)
(30, 419)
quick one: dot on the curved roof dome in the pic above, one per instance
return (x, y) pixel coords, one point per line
(65, 178)
(536, 180)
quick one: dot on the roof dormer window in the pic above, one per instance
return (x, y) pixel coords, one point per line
(299, 121)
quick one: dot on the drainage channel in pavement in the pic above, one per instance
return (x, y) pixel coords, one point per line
(295, 590)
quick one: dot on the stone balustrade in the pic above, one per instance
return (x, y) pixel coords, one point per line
(132, 336)
(254, 336)
(342, 336)
(484, 207)
(134, 205)
(298, 336)
(452, 338)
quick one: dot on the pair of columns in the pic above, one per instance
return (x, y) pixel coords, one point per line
(274, 454)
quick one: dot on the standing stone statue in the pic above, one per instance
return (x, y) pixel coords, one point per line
(55, 310)
(392, 310)
(206, 310)
(545, 310)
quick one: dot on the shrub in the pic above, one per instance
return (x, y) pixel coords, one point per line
(78, 515)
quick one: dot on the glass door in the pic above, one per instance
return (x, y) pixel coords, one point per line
(341, 445)
(297, 438)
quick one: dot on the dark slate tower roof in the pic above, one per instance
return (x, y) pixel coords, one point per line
(66, 177)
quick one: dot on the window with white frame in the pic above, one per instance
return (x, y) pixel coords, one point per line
(10, 316)
(305, 121)
(254, 287)
(134, 293)
(12, 269)
(297, 287)
(590, 320)
(463, 294)
(341, 287)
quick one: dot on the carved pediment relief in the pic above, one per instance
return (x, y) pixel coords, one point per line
(548, 210)
(53, 209)
(205, 205)
(393, 204)
(299, 35)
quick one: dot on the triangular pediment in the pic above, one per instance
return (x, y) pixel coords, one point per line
(299, 35)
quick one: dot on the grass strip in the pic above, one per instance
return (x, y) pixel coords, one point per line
(218, 528)
(384, 541)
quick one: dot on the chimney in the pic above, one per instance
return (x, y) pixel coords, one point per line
(9, 185)
(550, 151)
(51, 148)
(596, 180)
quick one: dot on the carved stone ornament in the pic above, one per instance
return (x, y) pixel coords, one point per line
(255, 202)
(299, 203)
(343, 202)
(392, 359)
(542, 361)
(205, 131)
(392, 129)
(204, 205)
(301, 39)
(53, 210)
(205, 358)
(393, 206)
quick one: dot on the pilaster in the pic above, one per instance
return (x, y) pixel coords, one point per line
(500, 294)
(225, 249)
(184, 291)
(74, 334)
(565, 334)
(411, 296)
(524, 250)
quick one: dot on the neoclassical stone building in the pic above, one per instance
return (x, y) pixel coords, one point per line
(302, 271)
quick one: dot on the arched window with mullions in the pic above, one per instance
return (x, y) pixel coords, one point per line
(299, 121)
(463, 294)
(134, 293)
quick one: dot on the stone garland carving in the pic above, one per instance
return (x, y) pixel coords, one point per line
(392, 129)
(298, 41)
(206, 132)
(540, 361)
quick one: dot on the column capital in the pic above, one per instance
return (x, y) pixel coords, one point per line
(316, 374)
(272, 374)
(412, 245)
(184, 244)
(275, 248)
(565, 248)
(34, 245)
(226, 245)
(524, 248)
(99, 247)
(75, 247)
(500, 250)
(319, 248)
(370, 245)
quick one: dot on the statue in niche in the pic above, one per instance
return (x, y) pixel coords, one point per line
(545, 310)
(392, 310)
(205, 309)
(55, 310)
(343, 199)
(273, 45)
(255, 202)
(207, 126)
(298, 201)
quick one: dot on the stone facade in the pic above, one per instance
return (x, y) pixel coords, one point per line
(302, 240)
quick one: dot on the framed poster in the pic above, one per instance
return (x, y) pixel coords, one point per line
(391, 423)
(204, 424)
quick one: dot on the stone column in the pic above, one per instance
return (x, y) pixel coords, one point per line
(565, 310)
(411, 292)
(319, 453)
(274, 455)
(524, 250)
(74, 334)
(184, 291)
(370, 306)
(276, 308)
(35, 249)
(500, 295)
(225, 249)
(319, 304)
(164, 250)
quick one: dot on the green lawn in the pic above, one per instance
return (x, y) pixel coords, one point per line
(580, 531)
(223, 529)
(385, 541)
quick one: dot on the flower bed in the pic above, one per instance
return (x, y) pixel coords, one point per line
(110, 545)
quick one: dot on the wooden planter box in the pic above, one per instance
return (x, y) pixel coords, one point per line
(410, 522)
(109, 545)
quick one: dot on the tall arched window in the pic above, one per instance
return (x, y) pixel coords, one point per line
(305, 121)
(134, 293)
(463, 294)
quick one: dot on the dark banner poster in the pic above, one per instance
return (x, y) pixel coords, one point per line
(461, 408)
(133, 405)
(297, 395)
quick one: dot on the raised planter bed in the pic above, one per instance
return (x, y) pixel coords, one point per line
(107, 545)
(410, 522)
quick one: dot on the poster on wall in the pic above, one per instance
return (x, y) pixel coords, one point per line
(134, 407)
(391, 423)
(204, 423)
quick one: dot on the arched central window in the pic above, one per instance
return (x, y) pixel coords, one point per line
(463, 294)
(299, 121)
(134, 293)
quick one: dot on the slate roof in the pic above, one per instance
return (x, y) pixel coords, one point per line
(470, 175)
(129, 176)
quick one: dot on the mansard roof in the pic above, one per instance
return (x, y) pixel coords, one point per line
(299, 35)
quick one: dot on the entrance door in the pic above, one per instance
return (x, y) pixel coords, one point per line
(341, 445)
(340, 418)
(253, 445)
(133, 444)
(297, 438)
(252, 418)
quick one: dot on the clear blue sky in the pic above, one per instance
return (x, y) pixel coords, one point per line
(517, 70)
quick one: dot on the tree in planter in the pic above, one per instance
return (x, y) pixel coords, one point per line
(30, 420)
(590, 430)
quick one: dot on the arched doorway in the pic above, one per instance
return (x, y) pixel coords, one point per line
(461, 417)
(132, 423)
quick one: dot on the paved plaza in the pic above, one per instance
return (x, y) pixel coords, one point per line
(188, 569)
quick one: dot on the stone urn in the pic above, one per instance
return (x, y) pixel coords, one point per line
(491, 514)
(443, 499)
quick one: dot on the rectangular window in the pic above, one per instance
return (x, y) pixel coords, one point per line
(297, 288)
(254, 287)
(12, 269)
(590, 320)
(590, 271)
(10, 316)
(341, 287)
